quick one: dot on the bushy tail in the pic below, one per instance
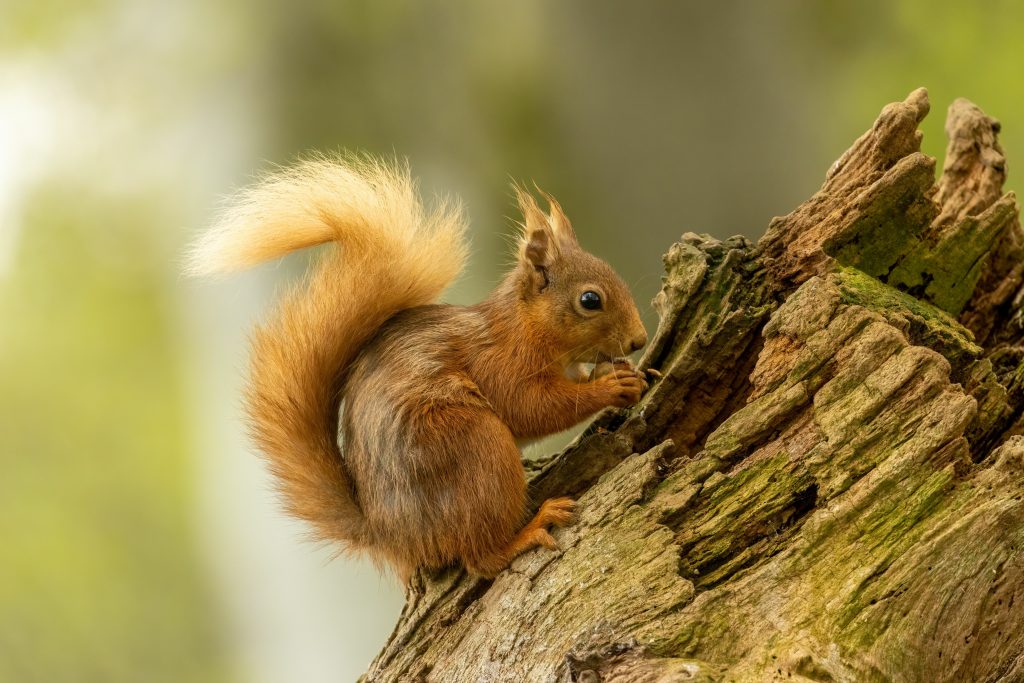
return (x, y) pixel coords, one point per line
(391, 254)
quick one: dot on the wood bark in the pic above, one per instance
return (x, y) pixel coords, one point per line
(827, 484)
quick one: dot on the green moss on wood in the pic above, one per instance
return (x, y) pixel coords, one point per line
(924, 323)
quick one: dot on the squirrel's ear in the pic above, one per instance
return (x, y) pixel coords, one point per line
(537, 249)
(538, 246)
(558, 220)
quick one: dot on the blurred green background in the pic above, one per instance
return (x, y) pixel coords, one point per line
(140, 540)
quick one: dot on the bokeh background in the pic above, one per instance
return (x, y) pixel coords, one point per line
(139, 539)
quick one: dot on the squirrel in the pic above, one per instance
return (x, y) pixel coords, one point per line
(430, 398)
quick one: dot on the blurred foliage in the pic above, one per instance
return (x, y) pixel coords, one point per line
(42, 24)
(874, 52)
(99, 580)
(645, 119)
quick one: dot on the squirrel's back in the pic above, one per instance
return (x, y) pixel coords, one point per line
(390, 254)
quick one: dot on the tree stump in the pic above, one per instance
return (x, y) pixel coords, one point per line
(827, 484)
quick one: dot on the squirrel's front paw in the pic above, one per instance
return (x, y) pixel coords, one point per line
(623, 386)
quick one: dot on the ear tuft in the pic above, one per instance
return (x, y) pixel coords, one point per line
(558, 220)
(539, 242)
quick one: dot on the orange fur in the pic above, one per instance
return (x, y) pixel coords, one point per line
(434, 397)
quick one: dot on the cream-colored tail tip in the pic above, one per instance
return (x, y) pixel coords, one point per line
(208, 257)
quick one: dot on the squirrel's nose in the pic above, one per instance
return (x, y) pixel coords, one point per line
(638, 342)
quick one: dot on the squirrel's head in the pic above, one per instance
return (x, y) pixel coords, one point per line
(575, 298)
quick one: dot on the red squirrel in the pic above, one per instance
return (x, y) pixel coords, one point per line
(431, 398)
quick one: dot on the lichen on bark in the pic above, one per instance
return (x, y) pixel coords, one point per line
(827, 484)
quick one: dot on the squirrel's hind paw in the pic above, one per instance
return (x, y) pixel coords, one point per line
(557, 512)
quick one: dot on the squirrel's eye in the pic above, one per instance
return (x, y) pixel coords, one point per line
(590, 301)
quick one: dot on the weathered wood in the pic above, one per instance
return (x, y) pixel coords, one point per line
(828, 482)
